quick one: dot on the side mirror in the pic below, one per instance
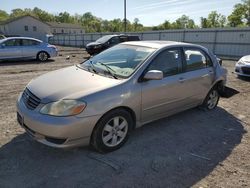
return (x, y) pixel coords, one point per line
(219, 60)
(153, 75)
(2, 45)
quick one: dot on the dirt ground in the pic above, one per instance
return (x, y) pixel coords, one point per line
(191, 149)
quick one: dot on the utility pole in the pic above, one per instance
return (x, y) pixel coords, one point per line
(125, 16)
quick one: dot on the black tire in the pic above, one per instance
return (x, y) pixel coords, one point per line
(42, 56)
(98, 135)
(211, 102)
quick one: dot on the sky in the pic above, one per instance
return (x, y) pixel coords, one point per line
(149, 12)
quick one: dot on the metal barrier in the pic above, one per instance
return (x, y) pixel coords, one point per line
(226, 42)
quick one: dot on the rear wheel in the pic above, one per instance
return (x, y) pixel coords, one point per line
(212, 99)
(42, 56)
(112, 131)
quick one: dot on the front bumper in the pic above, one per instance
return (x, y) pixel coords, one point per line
(242, 70)
(60, 132)
(53, 53)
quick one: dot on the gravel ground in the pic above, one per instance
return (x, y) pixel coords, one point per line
(191, 149)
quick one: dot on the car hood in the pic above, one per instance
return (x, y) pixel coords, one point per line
(246, 59)
(93, 44)
(69, 83)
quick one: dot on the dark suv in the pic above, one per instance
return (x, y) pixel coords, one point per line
(108, 41)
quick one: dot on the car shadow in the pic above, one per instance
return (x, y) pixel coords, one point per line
(177, 151)
(244, 78)
(229, 92)
(23, 62)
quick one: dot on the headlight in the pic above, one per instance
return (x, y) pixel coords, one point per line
(63, 108)
(241, 62)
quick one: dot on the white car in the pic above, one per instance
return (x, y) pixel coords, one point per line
(242, 67)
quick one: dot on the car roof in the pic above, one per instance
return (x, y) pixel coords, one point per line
(160, 44)
(28, 38)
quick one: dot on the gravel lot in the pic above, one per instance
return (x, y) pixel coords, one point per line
(191, 149)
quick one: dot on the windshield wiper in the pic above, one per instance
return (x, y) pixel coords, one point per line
(92, 66)
(109, 69)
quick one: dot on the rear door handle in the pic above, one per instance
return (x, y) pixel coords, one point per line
(211, 72)
(181, 80)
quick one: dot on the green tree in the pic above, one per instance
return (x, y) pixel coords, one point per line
(3, 15)
(240, 15)
(166, 25)
(204, 23)
(246, 3)
(213, 20)
(43, 15)
(64, 17)
(17, 13)
(184, 22)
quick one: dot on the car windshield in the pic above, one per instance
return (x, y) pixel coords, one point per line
(104, 38)
(119, 61)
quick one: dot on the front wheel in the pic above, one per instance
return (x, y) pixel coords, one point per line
(212, 99)
(42, 56)
(112, 131)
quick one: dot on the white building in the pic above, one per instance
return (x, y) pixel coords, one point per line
(29, 26)
(65, 28)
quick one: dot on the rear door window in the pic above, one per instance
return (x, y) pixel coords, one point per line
(196, 59)
(27, 42)
(114, 40)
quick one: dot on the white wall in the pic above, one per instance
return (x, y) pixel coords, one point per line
(58, 30)
(17, 28)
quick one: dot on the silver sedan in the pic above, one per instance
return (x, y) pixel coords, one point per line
(26, 48)
(100, 101)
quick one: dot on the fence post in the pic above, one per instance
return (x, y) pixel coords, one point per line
(184, 35)
(215, 40)
(91, 37)
(159, 35)
(83, 45)
(75, 41)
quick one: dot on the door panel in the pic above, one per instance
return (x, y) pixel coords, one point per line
(29, 48)
(197, 83)
(199, 73)
(11, 49)
(163, 97)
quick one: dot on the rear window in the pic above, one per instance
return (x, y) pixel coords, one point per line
(133, 38)
(27, 42)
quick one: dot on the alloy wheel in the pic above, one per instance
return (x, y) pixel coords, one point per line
(115, 131)
(212, 99)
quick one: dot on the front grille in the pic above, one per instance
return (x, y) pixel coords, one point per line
(245, 70)
(30, 100)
